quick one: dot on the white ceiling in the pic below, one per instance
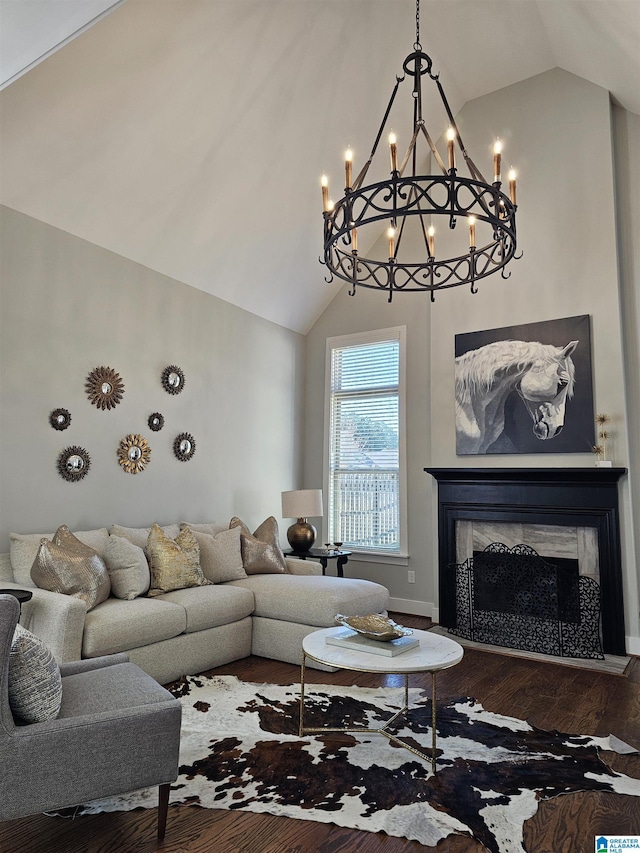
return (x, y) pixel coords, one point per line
(189, 135)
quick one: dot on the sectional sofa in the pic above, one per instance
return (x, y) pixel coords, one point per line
(186, 631)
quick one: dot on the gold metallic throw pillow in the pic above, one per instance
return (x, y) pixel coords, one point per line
(261, 552)
(174, 563)
(68, 566)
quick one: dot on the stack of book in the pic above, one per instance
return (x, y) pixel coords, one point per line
(349, 639)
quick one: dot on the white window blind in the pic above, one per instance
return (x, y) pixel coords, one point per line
(365, 438)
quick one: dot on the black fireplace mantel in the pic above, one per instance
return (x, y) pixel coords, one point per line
(578, 497)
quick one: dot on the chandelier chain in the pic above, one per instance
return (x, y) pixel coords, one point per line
(417, 45)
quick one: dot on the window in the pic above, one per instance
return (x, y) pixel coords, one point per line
(365, 441)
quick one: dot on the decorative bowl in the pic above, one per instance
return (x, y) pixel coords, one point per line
(374, 626)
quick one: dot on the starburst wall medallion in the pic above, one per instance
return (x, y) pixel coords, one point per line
(104, 388)
(133, 453)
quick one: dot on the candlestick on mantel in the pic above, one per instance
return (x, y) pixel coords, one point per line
(348, 158)
(512, 186)
(451, 136)
(393, 150)
(472, 232)
(324, 183)
(431, 235)
(497, 158)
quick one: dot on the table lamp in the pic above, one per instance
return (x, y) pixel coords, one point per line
(302, 504)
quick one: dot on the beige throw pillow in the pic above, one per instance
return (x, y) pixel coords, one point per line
(35, 685)
(68, 566)
(221, 555)
(212, 528)
(261, 552)
(173, 563)
(128, 568)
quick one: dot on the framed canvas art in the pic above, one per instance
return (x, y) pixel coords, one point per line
(525, 389)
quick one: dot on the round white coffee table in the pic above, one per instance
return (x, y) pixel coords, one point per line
(433, 654)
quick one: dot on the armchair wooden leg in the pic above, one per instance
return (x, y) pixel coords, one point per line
(163, 807)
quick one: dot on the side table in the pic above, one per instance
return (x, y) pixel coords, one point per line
(324, 556)
(21, 594)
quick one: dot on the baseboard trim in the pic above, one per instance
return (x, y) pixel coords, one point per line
(412, 607)
(633, 646)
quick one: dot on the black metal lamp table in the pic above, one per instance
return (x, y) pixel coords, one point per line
(341, 557)
(21, 594)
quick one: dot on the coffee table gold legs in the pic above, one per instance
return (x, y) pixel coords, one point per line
(301, 727)
(302, 731)
(433, 720)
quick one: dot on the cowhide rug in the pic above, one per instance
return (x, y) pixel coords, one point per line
(240, 750)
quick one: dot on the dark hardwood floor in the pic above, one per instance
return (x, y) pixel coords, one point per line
(551, 696)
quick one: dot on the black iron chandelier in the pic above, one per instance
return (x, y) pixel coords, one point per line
(412, 203)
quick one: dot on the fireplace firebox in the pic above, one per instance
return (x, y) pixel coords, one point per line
(564, 497)
(512, 597)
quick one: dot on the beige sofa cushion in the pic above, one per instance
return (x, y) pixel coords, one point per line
(211, 606)
(139, 535)
(116, 626)
(313, 600)
(212, 529)
(24, 549)
(6, 569)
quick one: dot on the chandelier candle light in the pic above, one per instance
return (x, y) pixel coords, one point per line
(302, 504)
(406, 194)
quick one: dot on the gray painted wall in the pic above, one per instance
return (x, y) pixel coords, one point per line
(556, 129)
(68, 306)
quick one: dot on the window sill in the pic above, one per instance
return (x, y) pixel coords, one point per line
(379, 557)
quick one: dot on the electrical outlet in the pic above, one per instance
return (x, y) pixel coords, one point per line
(411, 577)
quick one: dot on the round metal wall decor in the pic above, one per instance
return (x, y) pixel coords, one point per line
(104, 388)
(60, 419)
(172, 379)
(155, 422)
(74, 463)
(184, 446)
(133, 453)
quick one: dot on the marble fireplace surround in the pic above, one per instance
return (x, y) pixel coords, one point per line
(562, 497)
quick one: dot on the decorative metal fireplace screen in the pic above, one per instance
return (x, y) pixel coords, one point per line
(513, 597)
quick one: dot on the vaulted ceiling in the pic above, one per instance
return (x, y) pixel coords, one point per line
(189, 135)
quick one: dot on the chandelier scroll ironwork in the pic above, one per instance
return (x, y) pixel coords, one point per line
(407, 196)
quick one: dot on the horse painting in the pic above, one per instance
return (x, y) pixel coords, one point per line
(542, 374)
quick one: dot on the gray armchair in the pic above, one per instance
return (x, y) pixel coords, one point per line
(117, 731)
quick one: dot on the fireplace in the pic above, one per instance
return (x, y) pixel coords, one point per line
(583, 499)
(514, 598)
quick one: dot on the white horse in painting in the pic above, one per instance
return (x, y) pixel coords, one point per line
(542, 374)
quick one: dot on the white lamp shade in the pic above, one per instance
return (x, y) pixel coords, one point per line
(302, 503)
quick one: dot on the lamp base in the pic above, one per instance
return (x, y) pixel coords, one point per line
(301, 535)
